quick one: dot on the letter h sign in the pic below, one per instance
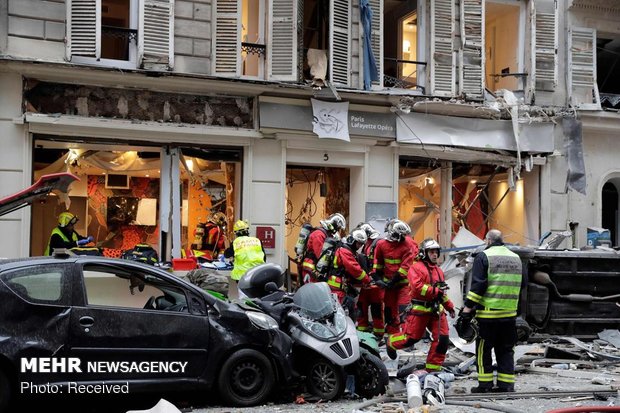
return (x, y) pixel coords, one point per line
(267, 235)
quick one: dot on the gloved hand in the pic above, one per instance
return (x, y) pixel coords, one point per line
(450, 309)
(381, 284)
(463, 322)
(85, 241)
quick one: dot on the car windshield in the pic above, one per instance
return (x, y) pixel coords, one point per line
(315, 301)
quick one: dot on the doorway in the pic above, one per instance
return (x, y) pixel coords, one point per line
(313, 193)
(610, 209)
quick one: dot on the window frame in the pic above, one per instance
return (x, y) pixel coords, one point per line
(132, 63)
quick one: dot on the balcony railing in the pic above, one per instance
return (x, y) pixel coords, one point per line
(253, 48)
(396, 76)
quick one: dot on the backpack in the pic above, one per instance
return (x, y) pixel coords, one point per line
(143, 253)
(301, 246)
(325, 264)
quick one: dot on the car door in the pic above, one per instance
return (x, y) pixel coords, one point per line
(137, 325)
(35, 301)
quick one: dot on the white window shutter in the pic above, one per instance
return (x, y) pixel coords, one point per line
(582, 68)
(471, 53)
(156, 33)
(545, 41)
(83, 28)
(376, 37)
(340, 42)
(282, 46)
(227, 38)
(442, 59)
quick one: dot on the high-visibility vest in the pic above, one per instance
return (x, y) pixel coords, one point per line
(248, 254)
(57, 231)
(501, 298)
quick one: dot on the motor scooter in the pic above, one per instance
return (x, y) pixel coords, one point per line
(326, 347)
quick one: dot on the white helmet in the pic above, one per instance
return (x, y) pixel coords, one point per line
(357, 235)
(369, 230)
(427, 245)
(397, 230)
(334, 223)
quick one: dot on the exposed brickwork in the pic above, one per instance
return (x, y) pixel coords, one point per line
(140, 105)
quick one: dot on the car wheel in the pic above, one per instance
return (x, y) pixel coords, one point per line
(5, 392)
(371, 375)
(246, 378)
(324, 379)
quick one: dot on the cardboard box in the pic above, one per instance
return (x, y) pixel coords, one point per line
(598, 236)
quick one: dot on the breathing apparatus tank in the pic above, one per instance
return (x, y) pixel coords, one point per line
(327, 256)
(302, 240)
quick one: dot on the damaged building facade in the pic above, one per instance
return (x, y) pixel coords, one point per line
(445, 113)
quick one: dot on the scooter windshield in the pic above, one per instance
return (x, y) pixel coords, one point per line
(315, 301)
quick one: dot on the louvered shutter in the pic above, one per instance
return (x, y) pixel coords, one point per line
(471, 53)
(582, 68)
(545, 40)
(156, 33)
(282, 48)
(340, 42)
(376, 37)
(83, 28)
(442, 59)
(227, 38)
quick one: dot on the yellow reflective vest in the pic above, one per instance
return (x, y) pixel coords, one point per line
(248, 253)
(74, 238)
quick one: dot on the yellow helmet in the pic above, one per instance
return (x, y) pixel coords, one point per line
(66, 218)
(219, 218)
(241, 226)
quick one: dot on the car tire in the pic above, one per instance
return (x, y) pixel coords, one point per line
(324, 379)
(371, 375)
(5, 392)
(246, 378)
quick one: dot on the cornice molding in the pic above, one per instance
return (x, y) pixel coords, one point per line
(601, 6)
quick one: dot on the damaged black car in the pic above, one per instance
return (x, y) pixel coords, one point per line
(93, 325)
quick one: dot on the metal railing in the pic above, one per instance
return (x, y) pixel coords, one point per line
(399, 79)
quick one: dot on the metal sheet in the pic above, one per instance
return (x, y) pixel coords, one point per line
(421, 128)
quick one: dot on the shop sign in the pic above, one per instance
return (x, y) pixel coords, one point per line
(267, 235)
(296, 117)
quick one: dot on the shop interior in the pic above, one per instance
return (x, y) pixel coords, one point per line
(119, 195)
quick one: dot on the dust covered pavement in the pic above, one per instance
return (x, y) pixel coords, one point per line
(555, 373)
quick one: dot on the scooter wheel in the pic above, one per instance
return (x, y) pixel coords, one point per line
(324, 379)
(371, 375)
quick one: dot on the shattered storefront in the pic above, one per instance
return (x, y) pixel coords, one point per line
(461, 166)
(132, 189)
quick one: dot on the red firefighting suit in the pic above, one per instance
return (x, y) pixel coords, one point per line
(314, 247)
(345, 270)
(392, 261)
(423, 277)
(371, 296)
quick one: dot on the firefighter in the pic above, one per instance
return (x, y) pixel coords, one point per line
(216, 235)
(493, 298)
(428, 301)
(64, 235)
(393, 257)
(347, 270)
(370, 296)
(329, 228)
(247, 252)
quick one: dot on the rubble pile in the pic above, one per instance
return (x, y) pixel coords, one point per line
(555, 373)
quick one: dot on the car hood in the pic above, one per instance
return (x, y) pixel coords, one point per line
(38, 191)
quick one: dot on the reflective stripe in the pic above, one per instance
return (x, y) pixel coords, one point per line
(309, 265)
(377, 266)
(489, 313)
(421, 308)
(402, 271)
(430, 366)
(474, 297)
(392, 261)
(425, 288)
(361, 276)
(378, 330)
(482, 376)
(335, 281)
(396, 337)
(506, 378)
(363, 328)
